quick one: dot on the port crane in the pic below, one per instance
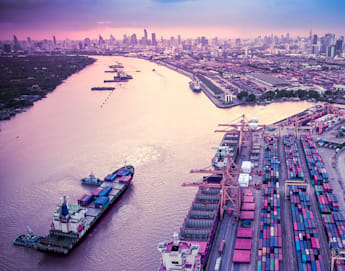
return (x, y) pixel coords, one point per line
(228, 181)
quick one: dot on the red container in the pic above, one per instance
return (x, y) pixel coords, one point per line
(241, 256)
(245, 233)
(247, 215)
(243, 244)
(248, 206)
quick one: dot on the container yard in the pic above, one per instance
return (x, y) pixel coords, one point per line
(283, 212)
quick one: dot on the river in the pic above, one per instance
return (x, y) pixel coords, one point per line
(154, 122)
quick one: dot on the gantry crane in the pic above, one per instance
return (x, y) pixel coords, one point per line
(229, 186)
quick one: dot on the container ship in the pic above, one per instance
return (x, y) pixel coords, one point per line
(195, 85)
(190, 249)
(228, 148)
(72, 222)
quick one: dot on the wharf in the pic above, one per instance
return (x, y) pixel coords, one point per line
(207, 88)
(227, 228)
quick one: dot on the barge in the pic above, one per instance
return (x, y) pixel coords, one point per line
(102, 88)
(72, 222)
(190, 249)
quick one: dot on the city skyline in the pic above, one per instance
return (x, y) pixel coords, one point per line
(40, 19)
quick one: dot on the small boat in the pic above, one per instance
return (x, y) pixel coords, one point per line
(30, 239)
(92, 180)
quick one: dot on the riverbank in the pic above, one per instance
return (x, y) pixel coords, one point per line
(25, 80)
(212, 91)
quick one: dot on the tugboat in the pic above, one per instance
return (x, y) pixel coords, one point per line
(30, 239)
(195, 85)
(92, 180)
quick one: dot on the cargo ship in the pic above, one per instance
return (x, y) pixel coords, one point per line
(190, 249)
(91, 180)
(72, 222)
(228, 148)
(120, 77)
(195, 85)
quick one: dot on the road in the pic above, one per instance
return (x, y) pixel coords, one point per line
(289, 252)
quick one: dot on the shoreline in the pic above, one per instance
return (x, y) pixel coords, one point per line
(39, 76)
(216, 101)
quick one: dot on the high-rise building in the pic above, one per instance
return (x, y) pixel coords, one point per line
(134, 39)
(54, 40)
(339, 46)
(204, 41)
(16, 45)
(7, 48)
(314, 39)
(112, 39)
(125, 40)
(101, 40)
(154, 40)
(145, 36)
(330, 51)
(179, 39)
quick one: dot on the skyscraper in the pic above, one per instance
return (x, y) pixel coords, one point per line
(179, 39)
(145, 36)
(314, 39)
(154, 41)
(16, 45)
(134, 39)
(339, 46)
(54, 40)
(330, 51)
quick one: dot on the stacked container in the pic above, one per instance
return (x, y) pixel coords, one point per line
(306, 239)
(243, 243)
(293, 164)
(270, 254)
(85, 200)
(332, 218)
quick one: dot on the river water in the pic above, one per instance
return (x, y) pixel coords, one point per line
(154, 122)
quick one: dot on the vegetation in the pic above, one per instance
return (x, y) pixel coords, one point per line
(283, 93)
(24, 80)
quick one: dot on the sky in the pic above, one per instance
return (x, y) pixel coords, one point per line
(77, 19)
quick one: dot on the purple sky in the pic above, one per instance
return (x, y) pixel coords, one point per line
(224, 18)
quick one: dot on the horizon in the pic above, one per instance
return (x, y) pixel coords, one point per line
(119, 33)
(41, 19)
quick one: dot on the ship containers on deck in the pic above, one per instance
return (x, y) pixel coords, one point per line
(270, 254)
(105, 191)
(110, 177)
(85, 200)
(201, 221)
(96, 192)
(101, 202)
